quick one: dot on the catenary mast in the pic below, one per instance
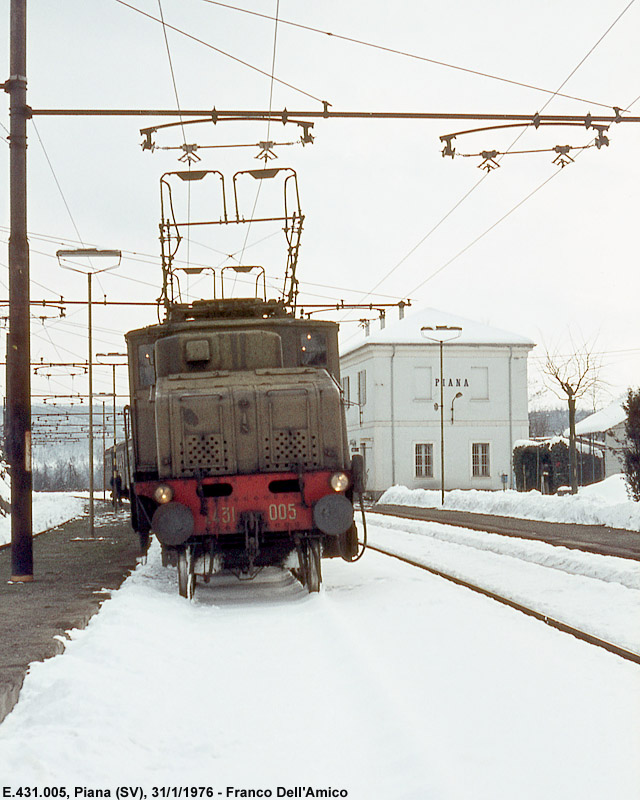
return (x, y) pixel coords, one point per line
(18, 424)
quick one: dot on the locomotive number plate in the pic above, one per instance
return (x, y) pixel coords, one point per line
(282, 511)
(226, 515)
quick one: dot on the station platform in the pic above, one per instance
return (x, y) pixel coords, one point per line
(73, 575)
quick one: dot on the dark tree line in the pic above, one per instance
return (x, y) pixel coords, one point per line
(65, 475)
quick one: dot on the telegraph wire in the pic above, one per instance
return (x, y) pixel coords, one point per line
(273, 65)
(173, 76)
(184, 135)
(514, 208)
(131, 256)
(218, 50)
(572, 73)
(57, 182)
(484, 233)
(477, 184)
(273, 69)
(419, 57)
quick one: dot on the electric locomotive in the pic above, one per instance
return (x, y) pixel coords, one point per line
(240, 457)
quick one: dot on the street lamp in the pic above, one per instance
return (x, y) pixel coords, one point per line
(458, 395)
(441, 334)
(113, 367)
(89, 270)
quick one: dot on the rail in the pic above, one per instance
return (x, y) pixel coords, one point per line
(628, 655)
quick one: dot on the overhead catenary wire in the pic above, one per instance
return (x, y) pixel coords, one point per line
(173, 76)
(417, 57)
(581, 62)
(273, 68)
(120, 276)
(508, 213)
(479, 182)
(219, 50)
(57, 182)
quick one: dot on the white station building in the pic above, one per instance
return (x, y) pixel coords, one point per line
(391, 383)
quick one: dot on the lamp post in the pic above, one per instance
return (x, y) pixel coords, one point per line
(89, 270)
(441, 334)
(458, 394)
(115, 435)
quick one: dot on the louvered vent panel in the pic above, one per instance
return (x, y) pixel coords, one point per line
(207, 452)
(289, 449)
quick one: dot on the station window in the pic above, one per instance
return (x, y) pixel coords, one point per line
(313, 349)
(424, 460)
(362, 387)
(422, 383)
(346, 389)
(480, 460)
(480, 383)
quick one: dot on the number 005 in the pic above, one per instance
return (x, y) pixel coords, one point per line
(282, 511)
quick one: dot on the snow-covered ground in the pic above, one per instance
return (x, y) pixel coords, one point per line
(49, 509)
(604, 503)
(391, 683)
(597, 594)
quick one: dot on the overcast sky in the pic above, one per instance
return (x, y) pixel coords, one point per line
(547, 253)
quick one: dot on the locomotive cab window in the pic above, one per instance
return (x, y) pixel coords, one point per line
(146, 365)
(313, 349)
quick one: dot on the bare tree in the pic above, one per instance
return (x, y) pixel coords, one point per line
(571, 377)
(631, 443)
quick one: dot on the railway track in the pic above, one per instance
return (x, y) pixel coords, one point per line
(628, 655)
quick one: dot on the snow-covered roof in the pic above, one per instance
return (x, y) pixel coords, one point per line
(408, 331)
(602, 420)
(550, 441)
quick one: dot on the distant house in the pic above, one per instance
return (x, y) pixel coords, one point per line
(605, 429)
(391, 385)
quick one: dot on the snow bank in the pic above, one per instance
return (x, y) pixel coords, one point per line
(49, 509)
(604, 503)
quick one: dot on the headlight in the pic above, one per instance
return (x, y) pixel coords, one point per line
(163, 494)
(339, 481)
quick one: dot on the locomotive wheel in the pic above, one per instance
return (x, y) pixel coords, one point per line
(186, 576)
(313, 565)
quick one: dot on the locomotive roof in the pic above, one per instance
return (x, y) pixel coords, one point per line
(169, 326)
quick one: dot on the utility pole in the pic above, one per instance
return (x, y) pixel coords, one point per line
(18, 437)
(88, 254)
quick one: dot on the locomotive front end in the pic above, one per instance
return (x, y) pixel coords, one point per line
(251, 459)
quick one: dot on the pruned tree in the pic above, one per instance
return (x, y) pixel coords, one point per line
(631, 446)
(571, 377)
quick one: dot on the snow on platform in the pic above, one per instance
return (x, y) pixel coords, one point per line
(391, 684)
(49, 509)
(604, 503)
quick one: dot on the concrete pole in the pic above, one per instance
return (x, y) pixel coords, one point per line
(18, 351)
(90, 326)
(441, 424)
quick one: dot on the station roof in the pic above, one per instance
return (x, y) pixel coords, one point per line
(408, 331)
